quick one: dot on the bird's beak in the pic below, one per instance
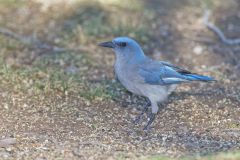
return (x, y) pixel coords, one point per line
(106, 44)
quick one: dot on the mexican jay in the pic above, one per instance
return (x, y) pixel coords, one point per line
(146, 77)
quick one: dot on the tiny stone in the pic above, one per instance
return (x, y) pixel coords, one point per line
(198, 50)
(7, 142)
(6, 106)
(71, 70)
(4, 154)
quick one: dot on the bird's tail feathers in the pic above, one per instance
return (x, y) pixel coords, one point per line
(197, 77)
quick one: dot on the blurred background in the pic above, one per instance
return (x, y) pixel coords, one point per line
(57, 89)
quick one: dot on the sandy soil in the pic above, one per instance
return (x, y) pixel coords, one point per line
(198, 119)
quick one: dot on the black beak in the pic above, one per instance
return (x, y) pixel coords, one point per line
(106, 44)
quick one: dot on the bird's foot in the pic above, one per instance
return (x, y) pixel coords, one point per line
(140, 117)
(151, 118)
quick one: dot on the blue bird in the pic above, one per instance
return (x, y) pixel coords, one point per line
(146, 77)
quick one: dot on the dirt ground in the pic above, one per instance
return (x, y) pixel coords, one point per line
(68, 106)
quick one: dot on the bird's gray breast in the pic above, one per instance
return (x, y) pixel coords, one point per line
(127, 76)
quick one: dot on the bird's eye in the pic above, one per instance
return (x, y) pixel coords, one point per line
(122, 44)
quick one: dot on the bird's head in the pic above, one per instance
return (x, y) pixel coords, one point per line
(124, 47)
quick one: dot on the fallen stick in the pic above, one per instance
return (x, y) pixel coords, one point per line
(217, 31)
(7, 142)
(30, 41)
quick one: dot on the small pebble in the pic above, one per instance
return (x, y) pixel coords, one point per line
(7, 142)
(198, 50)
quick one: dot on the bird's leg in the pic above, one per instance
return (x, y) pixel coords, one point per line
(145, 109)
(151, 115)
(151, 118)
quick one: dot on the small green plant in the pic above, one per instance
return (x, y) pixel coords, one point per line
(11, 3)
(95, 93)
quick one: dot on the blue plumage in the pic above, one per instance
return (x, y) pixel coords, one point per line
(146, 77)
(197, 77)
(161, 74)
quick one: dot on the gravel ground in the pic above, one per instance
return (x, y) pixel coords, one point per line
(68, 122)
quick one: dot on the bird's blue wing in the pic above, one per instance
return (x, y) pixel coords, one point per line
(164, 73)
(161, 75)
(151, 76)
(176, 68)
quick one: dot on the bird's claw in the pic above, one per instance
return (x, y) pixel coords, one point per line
(139, 117)
(150, 121)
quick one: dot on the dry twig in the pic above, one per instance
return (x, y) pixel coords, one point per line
(34, 43)
(217, 31)
(31, 41)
